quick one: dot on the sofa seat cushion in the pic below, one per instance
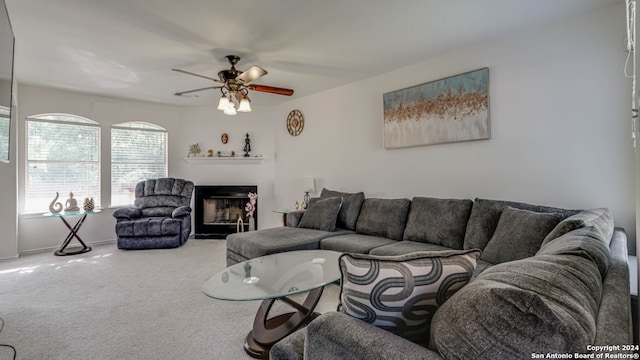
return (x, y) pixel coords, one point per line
(601, 219)
(486, 213)
(151, 226)
(401, 293)
(405, 247)
(547, 303)
(518, 235)
(383, 217)
(351, 204)
(354, 243)
(438, 221)
(252, 244)
(321, 214)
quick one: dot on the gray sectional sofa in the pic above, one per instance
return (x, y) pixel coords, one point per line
(548, 280)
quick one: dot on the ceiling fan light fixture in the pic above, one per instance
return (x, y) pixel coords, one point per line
(231, 109)
(245, 105)
(223, 104)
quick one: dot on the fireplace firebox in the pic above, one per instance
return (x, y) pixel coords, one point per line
(218, 208)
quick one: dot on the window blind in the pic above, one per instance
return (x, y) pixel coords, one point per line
(138, 152)
(5, 125)
(63, 155)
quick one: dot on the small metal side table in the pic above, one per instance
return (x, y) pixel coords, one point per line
(284, 213)
(73, 231)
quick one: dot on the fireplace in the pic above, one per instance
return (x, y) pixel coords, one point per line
(218, 208)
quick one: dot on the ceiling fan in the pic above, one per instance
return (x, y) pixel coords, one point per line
(236, 84)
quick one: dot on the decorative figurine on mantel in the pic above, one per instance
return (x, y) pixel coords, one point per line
(194, 149)
(247, 146)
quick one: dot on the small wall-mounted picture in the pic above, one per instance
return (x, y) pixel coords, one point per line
(224, 138)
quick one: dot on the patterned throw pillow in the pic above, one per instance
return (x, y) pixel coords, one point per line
(401, 293)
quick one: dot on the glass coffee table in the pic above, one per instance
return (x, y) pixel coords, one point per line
(271, 278)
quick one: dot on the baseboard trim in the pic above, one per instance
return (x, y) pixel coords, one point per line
(54, 248)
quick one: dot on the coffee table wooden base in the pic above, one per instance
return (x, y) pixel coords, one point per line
(268, 331)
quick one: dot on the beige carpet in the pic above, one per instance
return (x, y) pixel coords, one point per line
(115, 304)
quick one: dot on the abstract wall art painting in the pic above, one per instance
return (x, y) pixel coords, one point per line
(447, 110)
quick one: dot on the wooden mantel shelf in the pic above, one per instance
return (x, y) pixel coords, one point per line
(223, 160)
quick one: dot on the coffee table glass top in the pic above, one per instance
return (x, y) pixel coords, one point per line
(274, 276)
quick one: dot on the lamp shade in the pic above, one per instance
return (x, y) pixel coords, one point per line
(309, 185)
(245, 105)
(223, 104)
(231, 109)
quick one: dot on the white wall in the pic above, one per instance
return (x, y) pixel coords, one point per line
(8, 194)
(559, 108)
(185, 126)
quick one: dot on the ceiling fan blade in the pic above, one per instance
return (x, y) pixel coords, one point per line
(198, 75)
(251, 74)
(270, 89)
(195, 90)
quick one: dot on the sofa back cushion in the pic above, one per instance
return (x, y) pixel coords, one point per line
(438, 221)
(546, 303)
(351, 204)
(518, 235)
(383, 217)
(401, 293)
(601, 219)
(486, 213)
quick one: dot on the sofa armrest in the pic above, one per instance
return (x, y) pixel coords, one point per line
(335, 335)
(127, 213)
(293, 218)
(614, 324)
(181, 211)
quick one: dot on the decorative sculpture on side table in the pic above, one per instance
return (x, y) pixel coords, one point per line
(71, 204)
(55, 207)
(89, 204)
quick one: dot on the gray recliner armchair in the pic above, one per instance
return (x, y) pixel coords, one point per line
(160, 217)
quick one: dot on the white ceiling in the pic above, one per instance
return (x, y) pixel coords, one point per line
(126, 48)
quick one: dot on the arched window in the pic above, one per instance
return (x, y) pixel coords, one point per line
(63, 155)
(138, 152)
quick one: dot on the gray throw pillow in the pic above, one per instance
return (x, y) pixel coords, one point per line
(401, 293)
(321, 214)
(438, 221)
(486, 213)
(544, 304)
(518, 235)
(383, 217)
(351, 203)
(585, 242)
(601, 218)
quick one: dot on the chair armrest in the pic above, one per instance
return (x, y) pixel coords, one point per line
(181, 211)
(127, 213)
(335, 335)
(293, 218)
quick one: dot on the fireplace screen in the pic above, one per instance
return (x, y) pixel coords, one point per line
(218, 211)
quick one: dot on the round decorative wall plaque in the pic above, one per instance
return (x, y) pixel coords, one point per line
(295, 122)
